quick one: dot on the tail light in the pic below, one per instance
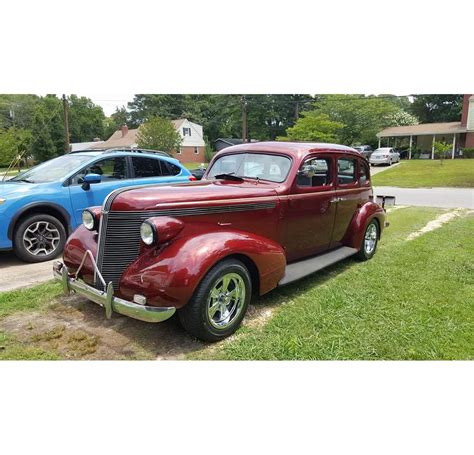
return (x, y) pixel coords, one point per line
(192, 178)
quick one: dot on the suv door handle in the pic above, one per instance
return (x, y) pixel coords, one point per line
(335, 199)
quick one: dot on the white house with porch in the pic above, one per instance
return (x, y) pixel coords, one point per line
(424, 135)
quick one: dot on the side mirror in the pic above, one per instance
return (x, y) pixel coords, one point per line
(88, 179)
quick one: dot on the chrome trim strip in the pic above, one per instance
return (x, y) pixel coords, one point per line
(193, 211)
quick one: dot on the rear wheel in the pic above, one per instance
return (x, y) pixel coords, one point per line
(39, 238)
(219, 303)
(369, 242)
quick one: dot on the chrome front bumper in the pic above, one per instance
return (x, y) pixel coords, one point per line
(106, 298)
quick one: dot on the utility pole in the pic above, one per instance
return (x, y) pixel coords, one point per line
(244, 119)
(66, 125)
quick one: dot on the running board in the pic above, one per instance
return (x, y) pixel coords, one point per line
(306, 267)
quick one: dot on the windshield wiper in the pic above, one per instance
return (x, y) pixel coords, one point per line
(23, 180)
(229, 176)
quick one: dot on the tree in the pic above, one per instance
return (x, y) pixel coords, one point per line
(313, 126)
(441, 150)
(86, 119)
(17, 110)
(120, 117)
(437, 108)
(159, 134)
(42, 145)
(221, 115)
(362, 116)
(145, 107)
(13, 143)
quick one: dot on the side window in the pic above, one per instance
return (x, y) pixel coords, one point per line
(315, 172)
(146, 167)
(170, 168)
(364, 176)
(109, 168)
(346, 171)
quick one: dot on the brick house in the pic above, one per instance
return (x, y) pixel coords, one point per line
(192, 145)
(424, 135)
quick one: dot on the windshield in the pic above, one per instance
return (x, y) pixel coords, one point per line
(52, 170)
(274, 168)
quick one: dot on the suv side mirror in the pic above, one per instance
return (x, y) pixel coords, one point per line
(88, 179)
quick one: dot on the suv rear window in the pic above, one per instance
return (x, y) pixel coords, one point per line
(146, 167)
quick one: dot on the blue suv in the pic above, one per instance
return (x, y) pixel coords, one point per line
(40, 207)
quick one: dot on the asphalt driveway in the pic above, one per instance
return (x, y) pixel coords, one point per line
(430, 197)
(16, 274)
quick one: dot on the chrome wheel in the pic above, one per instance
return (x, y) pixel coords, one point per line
(370, 239)
(41, 238)
(226, 300)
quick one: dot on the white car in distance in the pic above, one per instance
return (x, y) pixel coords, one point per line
(384, 155)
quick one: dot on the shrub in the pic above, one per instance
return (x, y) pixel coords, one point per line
(468, 152)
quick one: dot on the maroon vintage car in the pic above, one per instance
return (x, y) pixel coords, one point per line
(265, 214)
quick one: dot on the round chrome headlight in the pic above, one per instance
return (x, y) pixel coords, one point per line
(88, 220)
(147, 233)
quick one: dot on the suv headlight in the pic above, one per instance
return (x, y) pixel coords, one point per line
(89, 220)
(148, 233)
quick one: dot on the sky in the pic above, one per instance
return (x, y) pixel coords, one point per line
(110, 103)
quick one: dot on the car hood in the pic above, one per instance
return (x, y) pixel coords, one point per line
(15, 189)
(190, 194)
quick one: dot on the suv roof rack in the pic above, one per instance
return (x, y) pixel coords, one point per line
(124, 149)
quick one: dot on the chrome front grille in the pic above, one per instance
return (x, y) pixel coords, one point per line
(119, 243)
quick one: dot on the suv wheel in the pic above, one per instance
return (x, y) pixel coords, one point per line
(219, 303)
(39, 238)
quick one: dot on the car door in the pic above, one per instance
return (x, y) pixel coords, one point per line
(349, 195)
(311, 210)
(114, 173)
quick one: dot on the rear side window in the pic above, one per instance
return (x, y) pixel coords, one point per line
(346, 171)
(170, 168)
(364, 174)
(315, 172)
(146, 167)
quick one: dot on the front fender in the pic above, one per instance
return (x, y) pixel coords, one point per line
(361, 219)
(170, 275)
(77, 244)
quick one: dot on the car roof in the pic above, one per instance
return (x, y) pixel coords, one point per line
(294, 149)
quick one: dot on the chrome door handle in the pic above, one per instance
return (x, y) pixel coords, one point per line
(335, 199)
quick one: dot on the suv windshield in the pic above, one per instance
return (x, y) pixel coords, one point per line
(262, 166)
(52, 170)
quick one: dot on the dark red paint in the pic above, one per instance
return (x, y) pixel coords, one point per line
(301, 222)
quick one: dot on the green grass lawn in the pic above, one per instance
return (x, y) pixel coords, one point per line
(413, 300)
(30, 299)
(428, 173)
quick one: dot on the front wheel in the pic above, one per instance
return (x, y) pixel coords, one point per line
(39, 238)
(219, 304)
(369, 242)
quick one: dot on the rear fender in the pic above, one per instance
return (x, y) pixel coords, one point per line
(366, 213)
(168, 276)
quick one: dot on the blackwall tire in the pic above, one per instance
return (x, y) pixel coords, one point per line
(39, 238)
(369, 241)
(219, 303)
